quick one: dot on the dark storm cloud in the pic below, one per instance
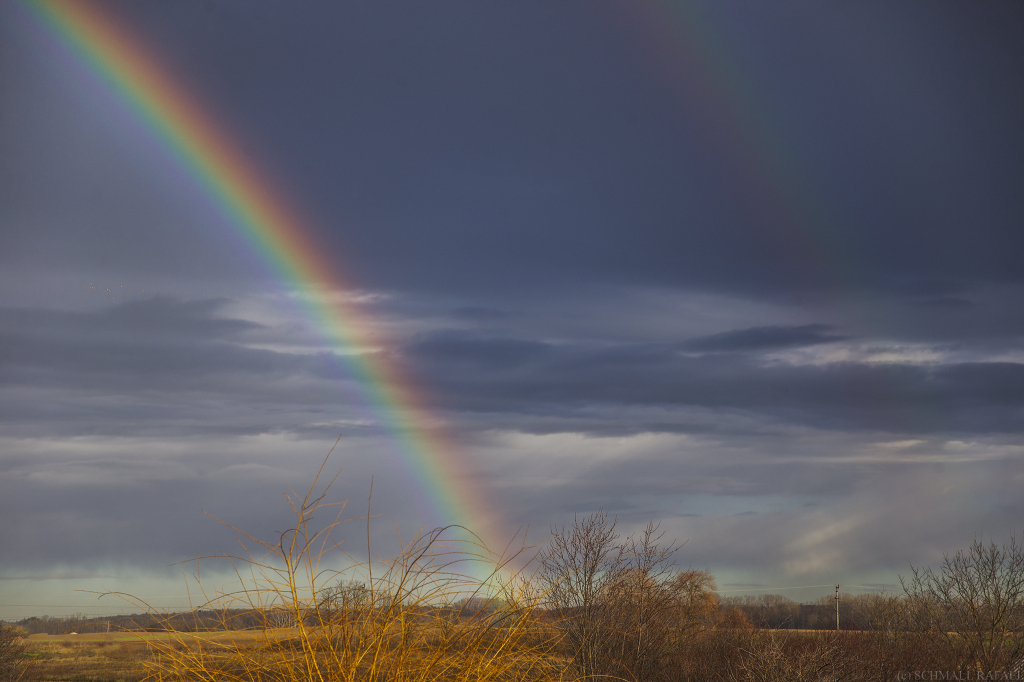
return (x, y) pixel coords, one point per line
(529, 145)
(160, 366)
(161, 361)
(481, 313)
(764, 338)
(156, 318)
(156, 343)
(454, 348)
(945, 302)
(529, 377)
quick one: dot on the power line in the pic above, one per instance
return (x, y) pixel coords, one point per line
(801, 587)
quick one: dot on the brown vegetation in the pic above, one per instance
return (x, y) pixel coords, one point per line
(85, 658)
(12, 659)
(972, 607)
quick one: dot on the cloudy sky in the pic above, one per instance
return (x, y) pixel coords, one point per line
(754, 271)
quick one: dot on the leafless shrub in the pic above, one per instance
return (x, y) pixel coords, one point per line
(626, 613)
(972, 606)
(576, 568)
(778, 656)
(13, 665)
(642, 601)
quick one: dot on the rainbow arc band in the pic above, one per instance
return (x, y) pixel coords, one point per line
(261, 215)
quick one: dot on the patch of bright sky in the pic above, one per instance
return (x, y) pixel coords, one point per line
(64, 591)
(871, 352)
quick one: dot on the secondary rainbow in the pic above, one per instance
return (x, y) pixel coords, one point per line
(279, 236)
(704, 77)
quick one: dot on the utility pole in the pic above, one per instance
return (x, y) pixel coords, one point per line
(837, 608)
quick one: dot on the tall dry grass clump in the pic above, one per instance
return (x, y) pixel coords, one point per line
(445, 608)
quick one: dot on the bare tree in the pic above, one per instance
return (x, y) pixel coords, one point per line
(696, 601)
(774, 656)
(973, 605)
(620, 602)
(282, 617)
(343, 597)
(578, 564)
(641, 606)
(896, 648)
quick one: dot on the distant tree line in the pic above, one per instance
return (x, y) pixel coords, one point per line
(192, 621)
(695, 589)
(778, 612)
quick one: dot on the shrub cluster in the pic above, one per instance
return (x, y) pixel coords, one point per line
(12, 662)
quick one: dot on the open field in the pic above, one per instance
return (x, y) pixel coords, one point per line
(722, 654)
(121, 655)
(130, 656)
(219, 635)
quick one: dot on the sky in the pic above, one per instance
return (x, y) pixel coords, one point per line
(750, 270)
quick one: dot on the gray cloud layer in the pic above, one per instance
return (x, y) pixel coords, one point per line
(159, 349)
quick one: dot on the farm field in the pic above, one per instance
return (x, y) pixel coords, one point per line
(131, 656)
(118, 656)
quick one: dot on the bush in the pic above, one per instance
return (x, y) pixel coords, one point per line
(624, 611)
(972, 607)
(12, 661)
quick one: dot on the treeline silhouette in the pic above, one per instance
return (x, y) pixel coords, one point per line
(779, 612)
(191, 621)
(764, 611)
(772, 611)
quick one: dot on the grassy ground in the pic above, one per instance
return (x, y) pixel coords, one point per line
(86, 657)
(131, 656)
(121, 656)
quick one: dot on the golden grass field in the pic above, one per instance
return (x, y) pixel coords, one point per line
(111, 656)
(132, 656)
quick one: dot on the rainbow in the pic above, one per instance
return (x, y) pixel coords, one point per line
(263, 218)
(709, 87)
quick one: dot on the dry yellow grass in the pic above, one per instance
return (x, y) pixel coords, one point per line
(445, 608)
(88, 658)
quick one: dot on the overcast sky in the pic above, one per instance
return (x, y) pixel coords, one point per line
(753, 270)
